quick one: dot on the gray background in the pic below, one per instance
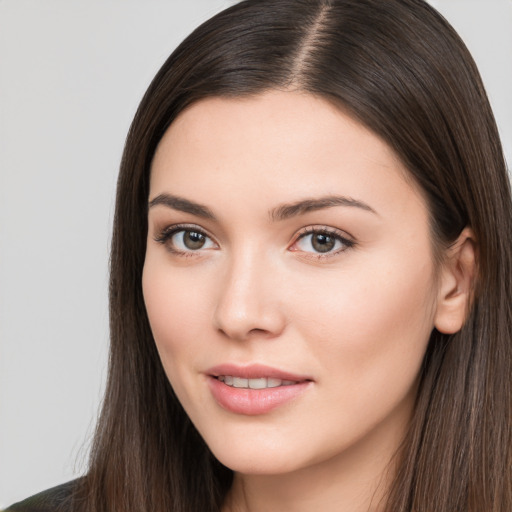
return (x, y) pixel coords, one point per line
(71, 75)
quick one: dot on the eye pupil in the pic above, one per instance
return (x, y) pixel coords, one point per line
(322, 242)
(193, 240)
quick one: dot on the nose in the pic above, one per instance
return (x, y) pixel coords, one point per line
(248, 302)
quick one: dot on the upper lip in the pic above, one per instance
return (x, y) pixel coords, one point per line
(254, 371)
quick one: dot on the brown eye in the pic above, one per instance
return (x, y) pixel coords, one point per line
(193, 240)
(186, 240)
(322, 242)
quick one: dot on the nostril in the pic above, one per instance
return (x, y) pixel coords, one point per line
(258, 331)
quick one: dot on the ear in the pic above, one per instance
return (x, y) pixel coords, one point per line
(458, 273)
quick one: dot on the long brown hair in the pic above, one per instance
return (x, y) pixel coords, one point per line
(400, 69)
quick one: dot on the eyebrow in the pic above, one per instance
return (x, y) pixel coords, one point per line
(182, 205)
(286, 211)
(280, 213)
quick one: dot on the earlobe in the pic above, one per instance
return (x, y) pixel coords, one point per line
(458, 273)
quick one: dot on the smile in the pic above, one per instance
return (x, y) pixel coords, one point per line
(255, 389)
(259, 383)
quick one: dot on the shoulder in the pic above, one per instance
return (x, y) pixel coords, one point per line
(51, 500)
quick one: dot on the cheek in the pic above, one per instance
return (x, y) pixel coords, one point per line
(373, 323)
(176, 308)
(368, 337)
(176, 312)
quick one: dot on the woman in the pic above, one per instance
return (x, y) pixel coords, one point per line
(310, 283)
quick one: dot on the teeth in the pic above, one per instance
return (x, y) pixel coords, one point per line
(258, 383)
(261, 383)
(274, 383)
(240, 383)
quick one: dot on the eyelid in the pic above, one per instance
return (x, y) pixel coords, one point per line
(345, 238)
(347, 241)
(164, 235)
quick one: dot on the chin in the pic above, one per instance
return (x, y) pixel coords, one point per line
(257, 458)
(261, 465)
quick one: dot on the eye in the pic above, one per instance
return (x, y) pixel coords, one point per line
(185, 240)
(322, 242)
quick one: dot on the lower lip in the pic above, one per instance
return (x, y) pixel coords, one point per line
(252, 402)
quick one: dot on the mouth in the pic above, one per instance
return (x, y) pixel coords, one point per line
(254, 389)
(242, 376)
(259, 383)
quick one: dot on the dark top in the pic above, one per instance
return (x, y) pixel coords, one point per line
(46, 501)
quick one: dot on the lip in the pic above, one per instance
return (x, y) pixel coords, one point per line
(255, 371)
(252, 402)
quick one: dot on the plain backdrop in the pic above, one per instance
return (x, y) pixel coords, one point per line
(71, 75)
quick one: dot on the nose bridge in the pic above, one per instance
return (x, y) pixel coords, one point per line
(246, 304)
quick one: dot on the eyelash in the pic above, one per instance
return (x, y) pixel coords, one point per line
(335, 234)
(167, 233)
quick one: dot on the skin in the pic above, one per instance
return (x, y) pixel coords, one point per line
(356, 320)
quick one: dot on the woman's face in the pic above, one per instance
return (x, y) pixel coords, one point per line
(289, 281)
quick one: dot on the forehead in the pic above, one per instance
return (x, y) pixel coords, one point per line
(280, 146)
(271, 123)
